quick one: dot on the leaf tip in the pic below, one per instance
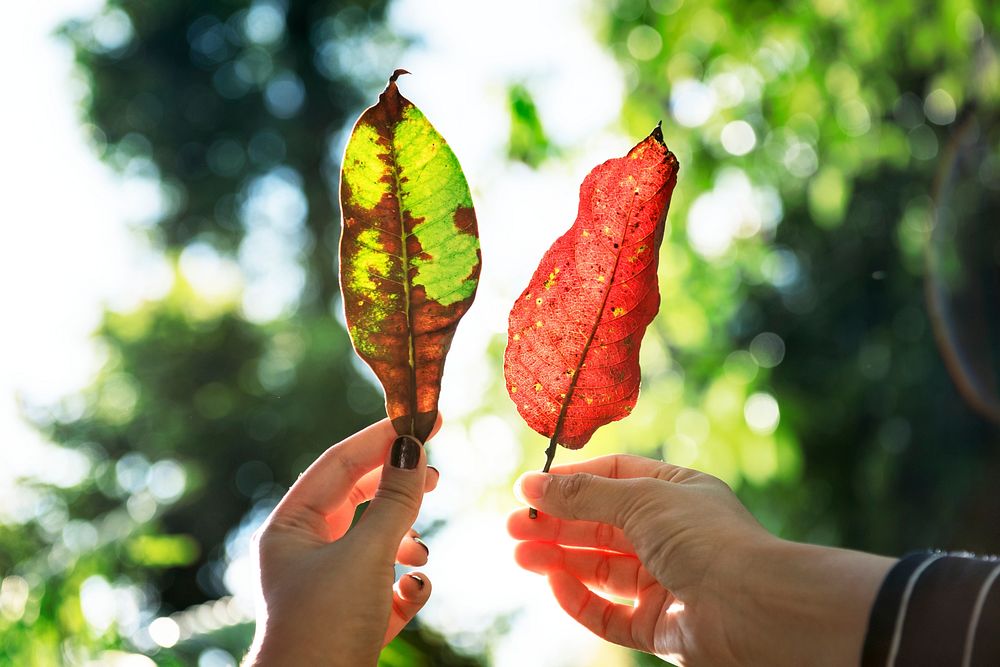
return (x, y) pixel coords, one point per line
(657, 133)
(396, 74)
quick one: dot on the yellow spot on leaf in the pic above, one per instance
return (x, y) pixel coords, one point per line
(538, 386)
(538, 301)
(517, 336)
(538, 324)
(638, 251)
(617, 311)
(586, 233)
(364, 168)
(369, 261)
(513, 389)
(589, 400)
(600, 278)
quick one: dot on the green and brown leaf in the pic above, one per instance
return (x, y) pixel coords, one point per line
(409, 254)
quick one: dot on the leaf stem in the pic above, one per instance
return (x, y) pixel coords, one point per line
(550, 454)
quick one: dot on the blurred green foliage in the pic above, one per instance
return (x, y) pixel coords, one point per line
(528, 142)
(832, 246)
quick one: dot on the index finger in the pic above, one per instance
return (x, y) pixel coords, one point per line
(620, 466)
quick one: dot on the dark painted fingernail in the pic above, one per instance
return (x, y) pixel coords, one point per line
(421, 543)
(405, 452)
(420, 582)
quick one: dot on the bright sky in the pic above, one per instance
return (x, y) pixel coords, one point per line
(66, 248)
(70, 245)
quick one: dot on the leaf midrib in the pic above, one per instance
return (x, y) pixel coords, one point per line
(407, 284)
(593, 331)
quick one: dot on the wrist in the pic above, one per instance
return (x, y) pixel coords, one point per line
(808, 604)
(270, 651)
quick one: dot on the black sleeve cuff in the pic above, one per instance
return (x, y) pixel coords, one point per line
(882, 620)
(936, 609)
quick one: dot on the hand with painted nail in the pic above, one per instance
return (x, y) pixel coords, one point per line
(705, 583)
(327, 594)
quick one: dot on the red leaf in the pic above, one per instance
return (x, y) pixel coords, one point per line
(572, 359)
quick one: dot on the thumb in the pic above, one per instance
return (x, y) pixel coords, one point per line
(396, 502)
(580, 496)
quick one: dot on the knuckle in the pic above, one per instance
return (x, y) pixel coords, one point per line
(669, 473)
(356, 496)
(400, 499)
(605, 535)
(615, 467)
(603, 571)
(354, 468)
(606, 615)
(337, 457)
(573, 487)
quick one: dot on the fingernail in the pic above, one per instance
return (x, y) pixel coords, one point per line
(405, 452)
(533, 485)
(421, 543)
(420, 582)
(434, 469)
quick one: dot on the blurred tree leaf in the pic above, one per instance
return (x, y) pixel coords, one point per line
(528, 142)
